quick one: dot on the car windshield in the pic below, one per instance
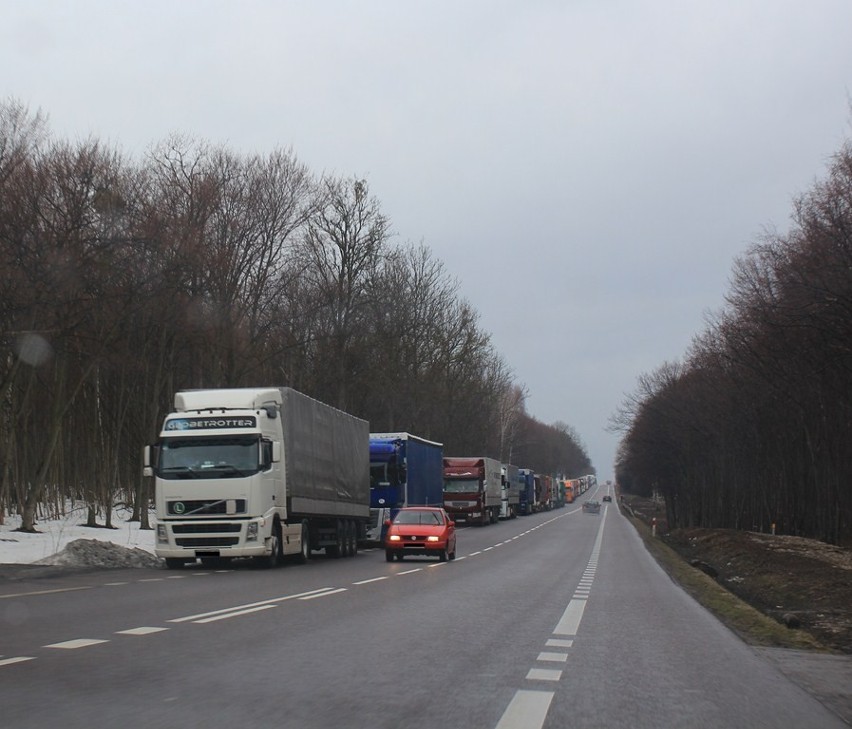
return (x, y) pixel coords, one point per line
(419, 517)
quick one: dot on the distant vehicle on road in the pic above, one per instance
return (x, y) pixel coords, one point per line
(592, 507)
(607, 498)
(421, 531)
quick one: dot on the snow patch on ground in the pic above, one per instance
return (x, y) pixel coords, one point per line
(126, 545)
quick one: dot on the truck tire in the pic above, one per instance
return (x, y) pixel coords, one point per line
(305, 551)
(273, 559)
(353, 539)
(338, 549)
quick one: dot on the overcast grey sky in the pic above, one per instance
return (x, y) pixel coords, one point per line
(587, 169)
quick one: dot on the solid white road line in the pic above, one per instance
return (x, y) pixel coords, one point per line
(273, 600)
(225, 616)
(570, 620)
(44, 592)
(527, 710)
(323, 594)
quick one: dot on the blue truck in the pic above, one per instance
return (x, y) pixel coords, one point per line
(526, 500)
(405, 470)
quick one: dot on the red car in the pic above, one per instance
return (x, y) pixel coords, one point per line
(421, 530)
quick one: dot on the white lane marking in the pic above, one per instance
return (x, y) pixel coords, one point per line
(176, 577)
(18, 659)
(115, 584)
(144, 630)
(236, 614)
(438, 564)
(409, 572)
(44, 592)
(372, 579)
(527, 710)
(544, 674)
(323, 594)
(552, 657)
(558, 643)
(570, 620)
(188, 618)
(473, 554)
(79, 643)
(152, 579)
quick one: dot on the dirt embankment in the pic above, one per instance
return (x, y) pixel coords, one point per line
(801, 583)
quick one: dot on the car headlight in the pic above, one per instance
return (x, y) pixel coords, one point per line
(394, 538)
(433, 538)
(251, 532)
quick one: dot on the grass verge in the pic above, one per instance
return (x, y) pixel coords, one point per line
(750, 624)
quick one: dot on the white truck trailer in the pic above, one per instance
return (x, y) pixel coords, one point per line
(258, 472)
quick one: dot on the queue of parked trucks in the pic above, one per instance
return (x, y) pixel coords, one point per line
(268, 473)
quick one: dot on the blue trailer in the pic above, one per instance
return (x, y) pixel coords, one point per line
(526, 500)
(405, 470)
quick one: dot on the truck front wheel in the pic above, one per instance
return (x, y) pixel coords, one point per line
(305, 549)
(273, 559)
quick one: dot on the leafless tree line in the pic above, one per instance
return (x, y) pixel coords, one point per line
(124, 281)
(754, 428)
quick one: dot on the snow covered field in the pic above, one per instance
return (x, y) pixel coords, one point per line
(21, 548)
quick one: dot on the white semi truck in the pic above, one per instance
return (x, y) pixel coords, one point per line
(258, 472)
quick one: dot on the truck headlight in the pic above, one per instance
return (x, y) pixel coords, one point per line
(251, 532)
(162, 536)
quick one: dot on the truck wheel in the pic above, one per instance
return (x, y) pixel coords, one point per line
(353, 539)
(388, 555)
(273, 559)
(305, 551)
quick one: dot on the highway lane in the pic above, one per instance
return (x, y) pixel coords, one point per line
(558, 619)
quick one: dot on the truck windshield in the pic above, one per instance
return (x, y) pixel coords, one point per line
(222, 457)
(461, 485)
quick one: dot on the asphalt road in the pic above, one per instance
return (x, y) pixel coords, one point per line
(559, 619)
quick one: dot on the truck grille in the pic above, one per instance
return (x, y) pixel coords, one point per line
(202, 542)
(206, 528)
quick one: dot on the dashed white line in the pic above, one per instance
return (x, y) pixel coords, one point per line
(17, 659)
(78, 643)
(552, 657)
(372, 579)
(559, 643)
(544, 674)
(144, 630)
